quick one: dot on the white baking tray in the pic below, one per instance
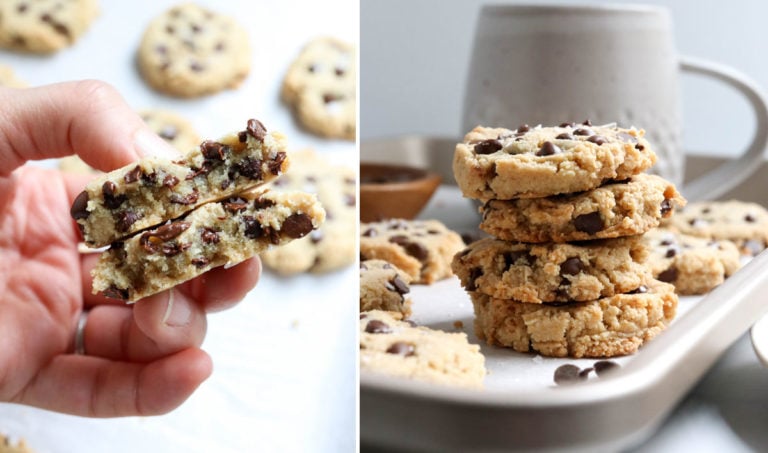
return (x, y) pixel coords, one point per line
(521, 408)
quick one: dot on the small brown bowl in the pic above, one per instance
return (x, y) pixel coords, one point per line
(394, 191)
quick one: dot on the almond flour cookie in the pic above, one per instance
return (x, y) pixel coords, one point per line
(553, 272)
(44, 26)
(503, 164)
(321, 87)
(421, 248)
(746, 224)
(384, 287)
(694, 265)
(190, 51)
(333, 245)
(391, 346)
(172, 127)
(620, 208)
(9, 79)
(223, 232)
(152, 190)
(8, 445)
(607, 327)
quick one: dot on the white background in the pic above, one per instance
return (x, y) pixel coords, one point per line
(284, 359)
(414, 57)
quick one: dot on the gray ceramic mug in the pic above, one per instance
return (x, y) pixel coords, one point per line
(607, 63)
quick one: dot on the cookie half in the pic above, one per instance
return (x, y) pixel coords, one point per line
(534, 162)
(391, 346)
(334, 244)
(153, 190)
(744, 223)
(384, 287)
(221, 233)
(692, 264)
(191, 51)
(44, 26)
(321, 84)
(607, 327)
(619, 208)
(421, 248)
(552, 272)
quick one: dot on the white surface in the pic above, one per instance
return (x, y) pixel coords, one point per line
(415, 57)
(284, 359)
(759, 336)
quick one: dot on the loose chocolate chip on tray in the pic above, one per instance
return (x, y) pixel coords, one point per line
(605, 366)
(568, 374)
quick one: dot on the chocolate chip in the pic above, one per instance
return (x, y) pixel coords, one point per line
(583, 131)
(113, 292)
(235, 204)
(297, 225)
(214, 150)
(219, 47)
(523, 128)
(150, 179)
(414, 249)
(57, 26)
(252, 228)
(154, 241)
(548, 149)
(369, 233)
(276, 164)
(168, 132)
(488, 146)
(565, 136)
(512, 258)
(402, 348)
(666, 206)
(584, 374)
(568, 374)
(21, 8)
(399, 286)
(339, 72)
(250, 168)
(203, 170)
(170, 231)
(571, 124)
(200, 262)
(670, 253)
(363, 315)
(209, 236)
(173, 248)
(571, 266)
(750, 218)
(349, 199)
(162, 50)
(256, 129)
(597, 139)
(126, 219)
(623, 136)
(196, 67)
(79, 209)
(474, 274)
(330, 97)
(376, 326)
(589, 223)
(188, 199)
(170, 181)
(587, 122)
(706, 211)
(669, 275)
(604, 366)
(363, 267)
(639, 147)
(111, 199)
(263, 203)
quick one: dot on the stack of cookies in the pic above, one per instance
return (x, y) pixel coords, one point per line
(565, 273)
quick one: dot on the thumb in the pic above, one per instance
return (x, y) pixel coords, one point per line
(88, 118)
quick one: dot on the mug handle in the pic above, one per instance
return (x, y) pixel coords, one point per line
(727, 176)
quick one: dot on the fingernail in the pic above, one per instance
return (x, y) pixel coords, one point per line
(177, 314)
(149, 144)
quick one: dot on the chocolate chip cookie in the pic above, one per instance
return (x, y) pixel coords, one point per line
(218, 233)
(391, 346)
(333, 245)
(618, 208)
(694, 265)
(191, 51)
(44, 26)
(421, 248)
(534, 162)
(320, 85)
(744, 223)
(607, 327)
(171, 127)
(153, 190)
(540, 273)
(384, 287)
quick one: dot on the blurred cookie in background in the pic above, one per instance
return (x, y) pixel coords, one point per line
(44, 26)
(320, 86)
(332, 246)
(9, 79)
(172, 127)
(190, 51)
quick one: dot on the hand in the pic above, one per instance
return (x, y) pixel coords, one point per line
(140, 359)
